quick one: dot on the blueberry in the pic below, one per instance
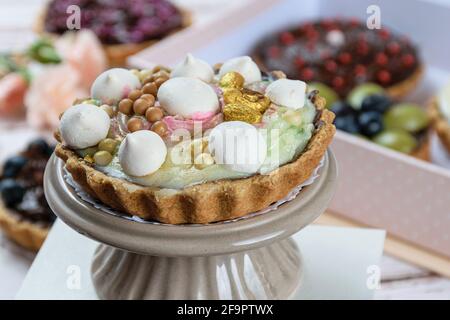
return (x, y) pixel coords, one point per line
(13, 165)
(376, 102)
(12, 192)
(347, 123)
(39, 146)
(341, 108)
(370, 123)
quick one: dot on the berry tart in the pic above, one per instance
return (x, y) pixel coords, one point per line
(194, 144)
(370, 113)
(342, 53)
(25, 216)
(439, 110)
(123, 27)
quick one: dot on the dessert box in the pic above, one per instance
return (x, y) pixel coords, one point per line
(377, 187)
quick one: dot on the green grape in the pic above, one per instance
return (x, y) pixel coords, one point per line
(406, 116)
(324, 91)
(396, 139)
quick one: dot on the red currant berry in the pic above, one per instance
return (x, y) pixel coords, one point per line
(299, 62)
(384, 76)
(338, 82)
(287, 38)
(393, 48)
(330, 65)
(274, 52)
(381, 59)
(345, 58)
(384, 34)
(408, 60)
(362, 48)
(307, 74)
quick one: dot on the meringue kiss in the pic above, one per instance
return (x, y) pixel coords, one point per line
(287, 93)
(142, 153)
(83, 126)
(187, 96)
(243, 65)
(238, 145)
(193, 68)
(113, 85)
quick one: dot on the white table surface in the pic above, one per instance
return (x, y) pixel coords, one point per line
(335, 262)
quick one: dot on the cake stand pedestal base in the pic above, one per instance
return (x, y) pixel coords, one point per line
(271, 272)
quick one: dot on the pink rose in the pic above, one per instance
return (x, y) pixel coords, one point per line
(13, 87)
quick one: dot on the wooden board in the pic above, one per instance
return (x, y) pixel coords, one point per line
(397, 247)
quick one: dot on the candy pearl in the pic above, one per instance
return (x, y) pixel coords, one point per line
(140, 106)
(149, 98)
(154, 114)
(203, 160)
(335, 38)
(159, 81)
(108, 109)
(135, 124)
(126, 106)
(108, 145)
(160, 128)
(102, 158)
(150, 88)
(135, 94)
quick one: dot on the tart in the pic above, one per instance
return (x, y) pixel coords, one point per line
(370, 113)
(123, 28)
(193, 144)
(25, 216)
(439, 110)
(342, 53)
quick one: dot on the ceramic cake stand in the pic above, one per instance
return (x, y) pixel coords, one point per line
(251, 258)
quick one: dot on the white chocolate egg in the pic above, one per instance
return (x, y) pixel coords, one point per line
(238, 145)
(83, 126)
(142, 153)
(243, 65)
(193, 68)
(186, 96)
(287, 93)
(113, 85)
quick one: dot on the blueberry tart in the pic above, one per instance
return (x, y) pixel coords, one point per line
(341, 54)
(194, 144)
(123, 27)
(370, 113)
(25, 216)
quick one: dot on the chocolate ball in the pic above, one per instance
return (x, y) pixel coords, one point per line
(154, 114)
(126, 106)
(135, 124)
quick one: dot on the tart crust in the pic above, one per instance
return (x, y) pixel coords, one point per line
(117, 54)
(401, 89)
(28, 235)
(207, 202)
(439, 123)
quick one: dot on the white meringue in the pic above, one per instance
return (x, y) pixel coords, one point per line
(83, 126)
(141, 153)
(186, 96)
(113, 85)
(287, 93)
(238, 145)
(243, 65)
(193, 68)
